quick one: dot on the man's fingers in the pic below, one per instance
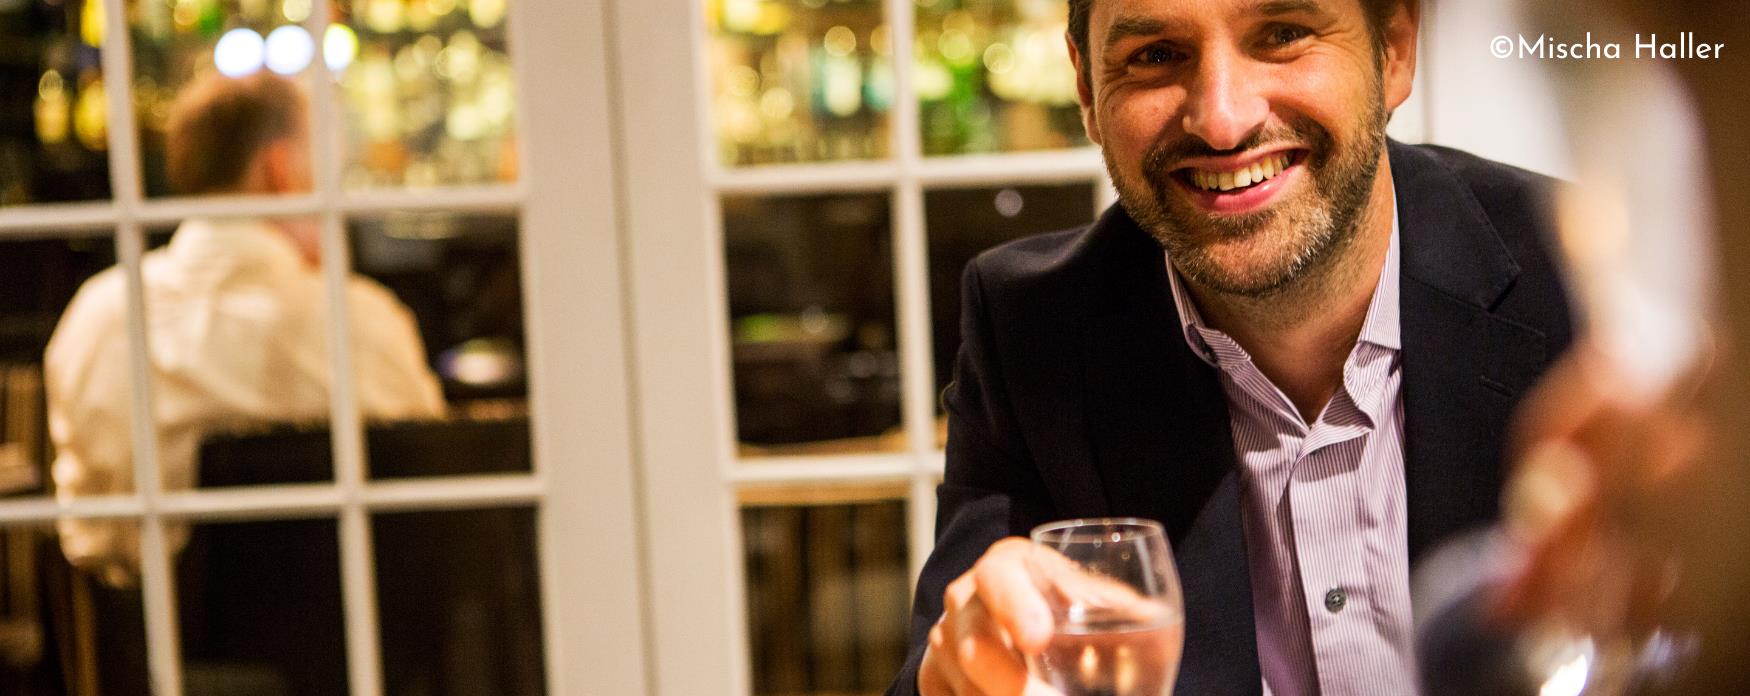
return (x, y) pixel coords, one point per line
(940, 673)
(1008, 592)
(985, 655)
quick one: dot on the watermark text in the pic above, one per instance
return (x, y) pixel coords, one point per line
(1683, 46)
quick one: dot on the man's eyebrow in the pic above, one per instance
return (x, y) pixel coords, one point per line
(1129, 27)
(1274, 8)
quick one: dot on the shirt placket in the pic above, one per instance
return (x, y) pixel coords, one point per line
(1324, 493)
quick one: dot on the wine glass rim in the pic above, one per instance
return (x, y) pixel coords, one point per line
(1128, 527)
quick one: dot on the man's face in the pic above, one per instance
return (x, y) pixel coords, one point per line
(1244, 134)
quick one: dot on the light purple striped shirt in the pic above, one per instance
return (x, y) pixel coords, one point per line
(1323, 509)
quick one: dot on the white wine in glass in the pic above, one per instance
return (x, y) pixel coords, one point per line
(1116, 606)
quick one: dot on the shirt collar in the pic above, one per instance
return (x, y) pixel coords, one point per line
(1381, 327)
(234, 243)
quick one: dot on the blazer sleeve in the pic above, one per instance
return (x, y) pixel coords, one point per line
(988, 477)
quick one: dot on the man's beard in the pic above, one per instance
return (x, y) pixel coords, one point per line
(1280, 245)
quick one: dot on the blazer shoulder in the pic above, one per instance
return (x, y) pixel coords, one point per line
(1033, 258)
(1522, 198)
(1068, 259)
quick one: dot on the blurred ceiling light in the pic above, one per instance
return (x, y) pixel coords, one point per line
(239, 52)
(383, 16)
(91, 118)
(339, 47)
(295, 11)
(740, 15)
(91, 24)
(486, 13)
(1009, 202)
(289, 49)
(999, 58)
(51, 109)
(840, 41)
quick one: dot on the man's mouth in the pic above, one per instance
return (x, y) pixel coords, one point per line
(1226, 179)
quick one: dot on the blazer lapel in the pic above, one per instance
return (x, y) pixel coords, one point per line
(1163, 447)
(1463, 367)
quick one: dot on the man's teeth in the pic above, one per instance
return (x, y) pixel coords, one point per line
(1260, 171)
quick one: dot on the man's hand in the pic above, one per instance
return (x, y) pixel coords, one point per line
(1595, 472)
(994, 617)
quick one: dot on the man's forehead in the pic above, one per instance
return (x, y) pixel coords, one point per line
(1131, 16)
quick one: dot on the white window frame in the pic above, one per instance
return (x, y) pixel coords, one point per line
(582, 484)
(685, 413)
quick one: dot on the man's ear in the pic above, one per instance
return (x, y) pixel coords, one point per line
(1084, 91)
(1401, 33)
(273, 167)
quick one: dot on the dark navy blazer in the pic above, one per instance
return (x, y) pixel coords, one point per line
(1074, 394)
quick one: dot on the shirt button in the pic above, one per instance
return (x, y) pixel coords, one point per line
(1335, 599)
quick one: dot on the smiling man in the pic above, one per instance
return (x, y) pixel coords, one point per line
(1294, 343)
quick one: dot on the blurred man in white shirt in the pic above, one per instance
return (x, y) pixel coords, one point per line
(237, 326)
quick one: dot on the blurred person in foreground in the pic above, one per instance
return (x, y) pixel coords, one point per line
(236, 316)
(1623, 564)
(1294, 343)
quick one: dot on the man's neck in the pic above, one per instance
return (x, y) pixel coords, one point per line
(1300, 336)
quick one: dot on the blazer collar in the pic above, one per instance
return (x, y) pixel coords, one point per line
(1463, 365)
(1450, 244)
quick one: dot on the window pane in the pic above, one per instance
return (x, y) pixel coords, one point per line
(965, 221)
(177, 42)
(994, 75)
(38, 278)
(799, 80)
(458, 594)
(827, 593)
(65, 631)
(812, 322)
(53, 123)
(428, 89)
(426, 86)
(452, 383)
(260, 609)
(239, 335)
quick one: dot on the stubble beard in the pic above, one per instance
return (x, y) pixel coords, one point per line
(1265, 254)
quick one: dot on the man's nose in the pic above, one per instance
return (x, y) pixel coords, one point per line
(1224, 104)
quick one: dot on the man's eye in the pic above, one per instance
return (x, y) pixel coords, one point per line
(1285, 34)
(1157, 55)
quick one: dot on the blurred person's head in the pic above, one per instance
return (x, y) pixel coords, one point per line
(1179, 93)
(247, 135)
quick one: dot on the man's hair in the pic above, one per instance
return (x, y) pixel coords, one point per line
(1378, 11)
(219, 124)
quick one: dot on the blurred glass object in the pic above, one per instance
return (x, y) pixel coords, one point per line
(827, 588)
(799, 80)
(62, 631)
(811, 313)
(426, 86)
(53, 119)
(458, 598)
(260, 610)
(1586, 556)
(965, 221)
(429, 92)
(993, 76)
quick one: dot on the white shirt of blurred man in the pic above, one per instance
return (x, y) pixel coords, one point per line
(237, 326)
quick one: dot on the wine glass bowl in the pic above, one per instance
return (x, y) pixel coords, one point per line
(1116, 607)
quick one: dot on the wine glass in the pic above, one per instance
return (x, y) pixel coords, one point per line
(1117, 612)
